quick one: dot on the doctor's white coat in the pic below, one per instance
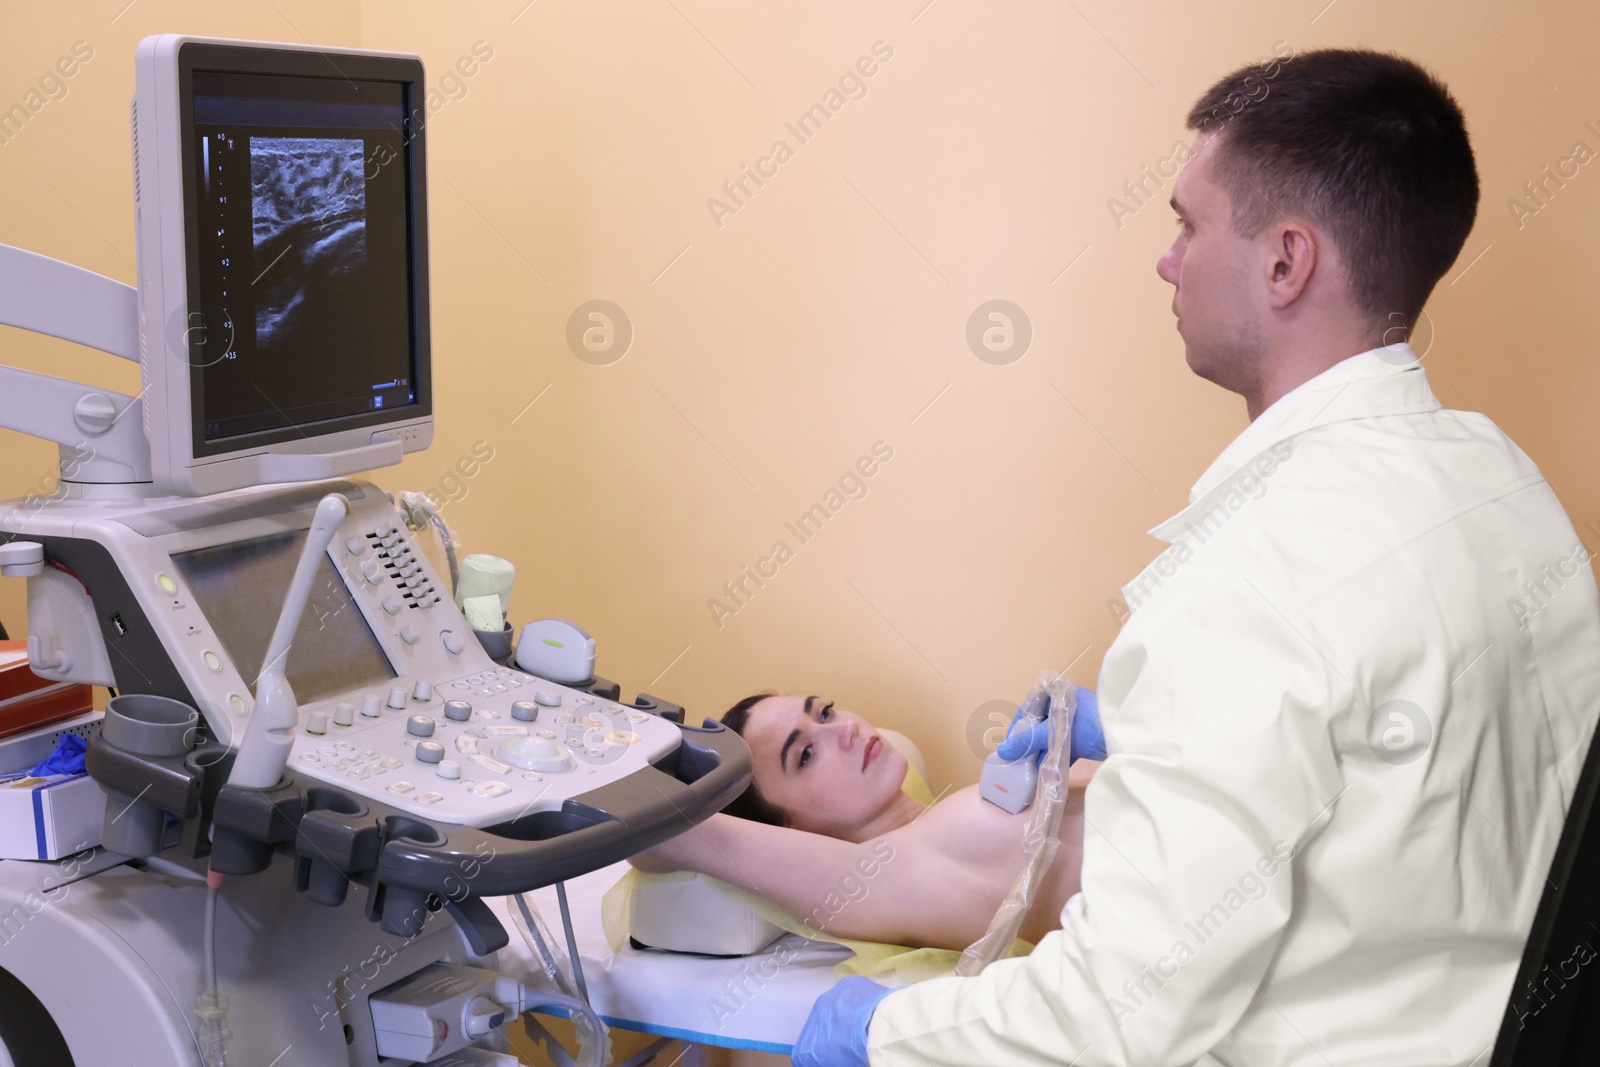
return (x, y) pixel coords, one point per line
(1346, 718)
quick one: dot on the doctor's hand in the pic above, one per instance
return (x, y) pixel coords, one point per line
(835, 1035)
(1088, 739)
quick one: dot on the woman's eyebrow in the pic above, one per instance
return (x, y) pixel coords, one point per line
(794, 735)
(783, 756)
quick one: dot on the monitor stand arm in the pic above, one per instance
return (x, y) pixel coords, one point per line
(101, 433)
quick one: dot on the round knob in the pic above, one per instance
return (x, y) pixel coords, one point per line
(345, 713)
(448, 768)
(391, 604)
(430, 752)
(422, 692)
(534, 754)
(524, 710)
(371, 570)
(453, 642)
(371, 705)
(317, 723)
(409, 634)
(419, 726)
(353, 546)
(397, 697)
(548, 697)
(459, 710)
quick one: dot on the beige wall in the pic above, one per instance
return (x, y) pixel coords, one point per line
(828, 311)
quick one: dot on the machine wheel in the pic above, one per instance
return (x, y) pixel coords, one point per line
(29, 1037)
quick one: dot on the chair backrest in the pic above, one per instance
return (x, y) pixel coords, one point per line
(1553, 1017)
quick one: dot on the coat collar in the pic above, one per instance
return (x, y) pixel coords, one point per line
(1381, 381)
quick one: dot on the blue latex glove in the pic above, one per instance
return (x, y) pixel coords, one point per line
(835, 1034)
(68, 758)
(1088, 739)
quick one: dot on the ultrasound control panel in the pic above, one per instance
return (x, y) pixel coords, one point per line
(398, 699)
(479, 749)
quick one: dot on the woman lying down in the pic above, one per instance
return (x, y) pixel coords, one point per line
(826, 805)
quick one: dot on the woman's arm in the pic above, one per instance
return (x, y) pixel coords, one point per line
(892, 888)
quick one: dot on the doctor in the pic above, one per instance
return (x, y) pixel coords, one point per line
(1354, 694)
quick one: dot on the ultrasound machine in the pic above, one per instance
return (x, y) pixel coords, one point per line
(315, 770)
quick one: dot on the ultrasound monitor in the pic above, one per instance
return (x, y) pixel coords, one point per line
(281, 205)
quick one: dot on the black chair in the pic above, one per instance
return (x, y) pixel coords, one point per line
(1553, 1017)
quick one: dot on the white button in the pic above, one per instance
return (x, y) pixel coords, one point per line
(310, 757)
(345, 713)
(354, 545)
(462, 685)
(489, 789)
(371, 571)
(212, 660)
(493, 764)
(371, 705)
(453, 644)
(532, 777)
(637, 716)
(548, 697)
(397, 697)
(236, 702)
(429, 798)
(347, 746)
(422, 692)
(466, 745)
(504, 672)
(329, 751)
(391, 604)
(317, 723)
(505, 731)
(449, 769)
(409, 634)
(401, 787)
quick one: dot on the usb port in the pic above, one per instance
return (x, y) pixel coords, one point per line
(118, 625)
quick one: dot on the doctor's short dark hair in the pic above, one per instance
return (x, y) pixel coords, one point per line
(750, 804)
(1367, 145)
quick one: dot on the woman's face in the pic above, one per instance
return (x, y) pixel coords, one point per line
(827, 770)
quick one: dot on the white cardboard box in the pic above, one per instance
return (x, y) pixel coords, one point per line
(48, 818)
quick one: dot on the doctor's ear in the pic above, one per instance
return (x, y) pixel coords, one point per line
(1295, 256)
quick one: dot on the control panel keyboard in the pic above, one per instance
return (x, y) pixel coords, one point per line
(476, 750)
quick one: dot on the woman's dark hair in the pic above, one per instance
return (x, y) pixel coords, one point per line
(750, 804)
(1368, 145)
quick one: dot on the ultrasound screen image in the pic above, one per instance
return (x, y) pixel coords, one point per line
(308, 206)
(303, 272)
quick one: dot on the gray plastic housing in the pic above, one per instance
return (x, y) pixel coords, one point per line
(410, 867)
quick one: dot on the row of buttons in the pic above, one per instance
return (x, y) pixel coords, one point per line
(406, 574)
